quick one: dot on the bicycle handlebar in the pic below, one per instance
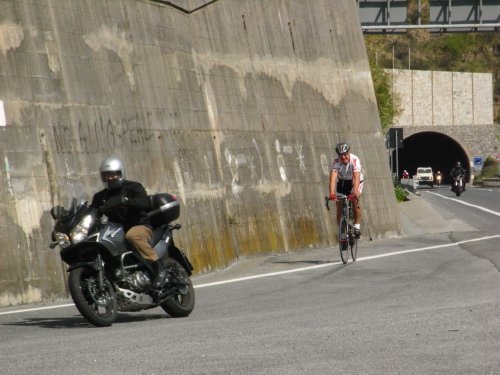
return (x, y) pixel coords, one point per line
(350, 197)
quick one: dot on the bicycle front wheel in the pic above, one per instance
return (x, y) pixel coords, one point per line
(354, 248)
(344, 241)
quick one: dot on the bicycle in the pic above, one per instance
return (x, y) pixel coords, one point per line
(346, 228)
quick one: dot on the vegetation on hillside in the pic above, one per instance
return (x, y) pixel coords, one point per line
(490, 169)
(387, 101)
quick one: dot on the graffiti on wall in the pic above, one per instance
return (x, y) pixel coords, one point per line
(103, 135)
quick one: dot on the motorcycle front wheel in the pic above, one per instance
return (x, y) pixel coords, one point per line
(98, 307)
(180, 305)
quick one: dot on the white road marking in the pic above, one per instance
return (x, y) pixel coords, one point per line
(302, 269)
(467, 204)
(37, 309)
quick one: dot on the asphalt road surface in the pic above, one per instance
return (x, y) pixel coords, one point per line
(425, 303)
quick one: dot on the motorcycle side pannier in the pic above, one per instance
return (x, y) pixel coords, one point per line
(165, 208)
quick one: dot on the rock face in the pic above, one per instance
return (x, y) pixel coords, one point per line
(234, 106)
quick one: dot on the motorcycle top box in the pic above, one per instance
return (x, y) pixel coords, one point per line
(165, 209)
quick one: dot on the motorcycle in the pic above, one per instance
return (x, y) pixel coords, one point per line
(438, 179)
(106, 275)
(457, 185)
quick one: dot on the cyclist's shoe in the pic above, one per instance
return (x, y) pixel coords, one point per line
(357, 233)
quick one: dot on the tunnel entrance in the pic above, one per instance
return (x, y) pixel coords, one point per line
(430, 149)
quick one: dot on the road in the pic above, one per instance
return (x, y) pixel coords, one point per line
(425, 303)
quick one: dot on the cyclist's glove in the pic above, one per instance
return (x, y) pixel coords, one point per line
(332, 197)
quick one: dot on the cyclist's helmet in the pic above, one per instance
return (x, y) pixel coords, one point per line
(109, 166)
(342, 148)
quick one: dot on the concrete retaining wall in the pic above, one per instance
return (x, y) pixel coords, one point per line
(235, 107)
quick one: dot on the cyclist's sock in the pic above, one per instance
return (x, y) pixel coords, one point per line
(357, 226)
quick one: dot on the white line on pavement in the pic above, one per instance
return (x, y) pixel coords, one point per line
(36, 309)
(335, 263)
(230, 281)
(467, 204)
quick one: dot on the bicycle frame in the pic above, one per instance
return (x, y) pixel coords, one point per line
(346, 236)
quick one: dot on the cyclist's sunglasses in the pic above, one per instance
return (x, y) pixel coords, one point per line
(343, 154)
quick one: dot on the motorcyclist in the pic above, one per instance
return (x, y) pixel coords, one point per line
(438, 177)
(458, 171)
(126, 202)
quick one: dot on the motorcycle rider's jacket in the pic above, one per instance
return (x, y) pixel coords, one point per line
(455, 172)
(133, 208)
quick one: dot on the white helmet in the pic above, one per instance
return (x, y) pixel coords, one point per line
(112, 164)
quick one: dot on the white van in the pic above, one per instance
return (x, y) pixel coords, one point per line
(425, 176)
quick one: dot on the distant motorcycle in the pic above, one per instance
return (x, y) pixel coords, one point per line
(457, 185)
(438, 180)
(107, 276)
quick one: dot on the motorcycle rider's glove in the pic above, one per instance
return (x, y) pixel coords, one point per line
(114, 201)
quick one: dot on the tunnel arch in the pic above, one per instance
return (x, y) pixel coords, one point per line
(430, 149)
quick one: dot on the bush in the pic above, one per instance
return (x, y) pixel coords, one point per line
(490, 168)
(401, 192)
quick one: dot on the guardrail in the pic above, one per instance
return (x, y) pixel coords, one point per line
(491, 182)
(409, 183)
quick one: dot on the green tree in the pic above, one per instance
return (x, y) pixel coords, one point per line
(387, 101)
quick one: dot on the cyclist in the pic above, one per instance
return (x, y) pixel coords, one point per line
(346, 178)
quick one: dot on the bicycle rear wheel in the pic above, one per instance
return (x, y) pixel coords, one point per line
(344, 241)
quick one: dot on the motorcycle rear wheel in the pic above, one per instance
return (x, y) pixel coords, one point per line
(97, 307)
(180, 305)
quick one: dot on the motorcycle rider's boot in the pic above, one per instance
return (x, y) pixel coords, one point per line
(160, 274)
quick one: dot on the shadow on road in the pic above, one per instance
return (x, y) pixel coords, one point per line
(80, 322)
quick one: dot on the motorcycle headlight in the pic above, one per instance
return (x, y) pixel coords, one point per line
(80, 232)
(62, 239)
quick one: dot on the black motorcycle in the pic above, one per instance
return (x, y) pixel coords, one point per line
(107, 276)
(457, 185)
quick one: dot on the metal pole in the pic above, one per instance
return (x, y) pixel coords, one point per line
(419, 12)
(480, 11)
(449, 12)
(397, 166)
(388, 10)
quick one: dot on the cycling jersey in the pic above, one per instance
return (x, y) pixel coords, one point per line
(345, 174)
(346, 171)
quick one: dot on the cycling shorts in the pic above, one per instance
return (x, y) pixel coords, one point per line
(345, 187)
